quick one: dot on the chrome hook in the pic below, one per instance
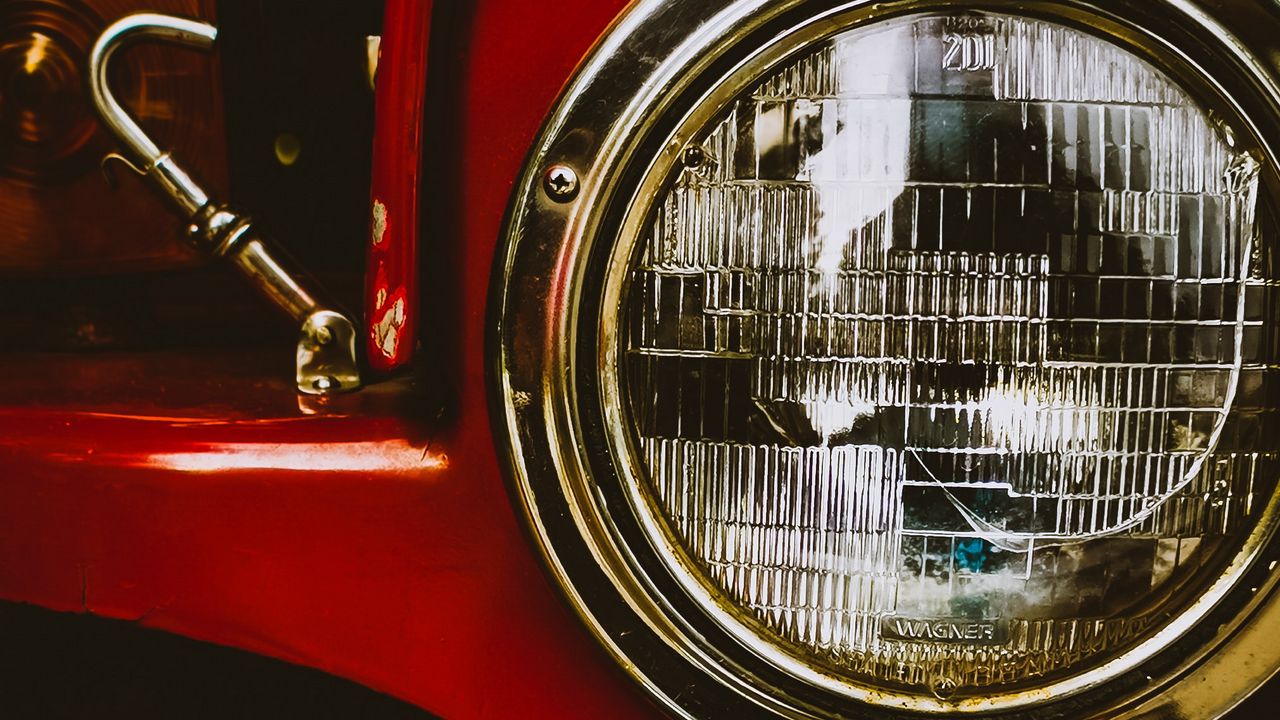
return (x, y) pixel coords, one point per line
(110, 175)
(139, 150)
(326, 355)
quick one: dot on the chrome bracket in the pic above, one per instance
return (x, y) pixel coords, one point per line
(326, 352)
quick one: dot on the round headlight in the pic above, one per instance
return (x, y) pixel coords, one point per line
(899, 359)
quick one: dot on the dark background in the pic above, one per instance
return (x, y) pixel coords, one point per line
(63, 665)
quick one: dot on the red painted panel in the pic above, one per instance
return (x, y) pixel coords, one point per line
(391, 282)
(191, 494)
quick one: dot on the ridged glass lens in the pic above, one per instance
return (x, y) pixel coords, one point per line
(946, 353)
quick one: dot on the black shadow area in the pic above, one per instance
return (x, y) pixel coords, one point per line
(62, 665)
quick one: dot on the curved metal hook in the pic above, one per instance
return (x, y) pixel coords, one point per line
(326, 349)
(139, 149)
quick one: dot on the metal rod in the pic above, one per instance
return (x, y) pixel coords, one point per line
(326, 356)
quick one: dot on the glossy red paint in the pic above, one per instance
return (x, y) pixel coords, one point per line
(391, 282)
(187, 490)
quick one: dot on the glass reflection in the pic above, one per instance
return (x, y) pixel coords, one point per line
(942, 355)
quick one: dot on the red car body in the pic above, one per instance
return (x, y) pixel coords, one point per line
(180, 490)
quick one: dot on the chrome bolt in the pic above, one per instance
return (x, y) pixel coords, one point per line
(693, 157)
(561, 183)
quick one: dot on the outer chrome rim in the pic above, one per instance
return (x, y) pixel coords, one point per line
(610, 123)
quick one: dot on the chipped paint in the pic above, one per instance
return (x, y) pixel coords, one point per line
(386, 331)
(379, 222)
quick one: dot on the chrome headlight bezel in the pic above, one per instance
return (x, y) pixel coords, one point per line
(613, 126)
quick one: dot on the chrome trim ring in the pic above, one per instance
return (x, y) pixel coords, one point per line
(616, 121)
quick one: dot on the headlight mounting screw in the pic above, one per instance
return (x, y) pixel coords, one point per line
(560, 183)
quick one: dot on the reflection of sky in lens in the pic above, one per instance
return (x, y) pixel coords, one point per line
(949, 325)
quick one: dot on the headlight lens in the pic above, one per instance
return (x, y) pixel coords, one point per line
(936, 351)
(891, 360)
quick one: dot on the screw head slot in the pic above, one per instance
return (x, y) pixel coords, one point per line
(560, 183)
